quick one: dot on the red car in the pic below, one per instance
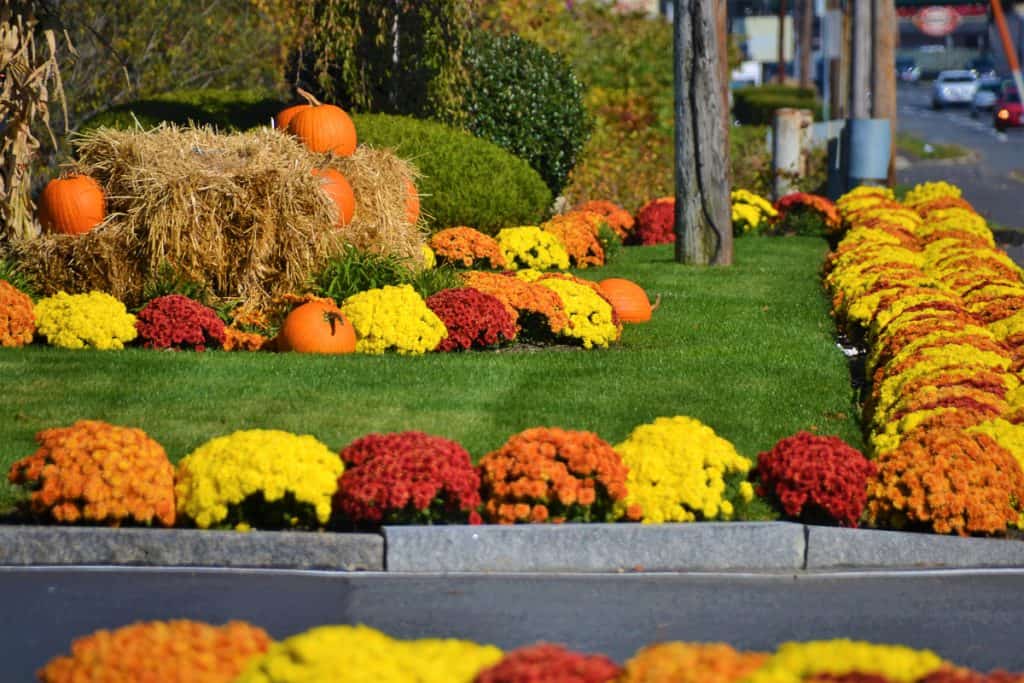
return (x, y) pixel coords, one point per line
(1007, 110)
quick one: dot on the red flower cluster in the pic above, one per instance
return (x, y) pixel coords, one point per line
(175, 321)
(474, 319)
(549, 663)
(813, 474)
(655, 222)
(407, 477)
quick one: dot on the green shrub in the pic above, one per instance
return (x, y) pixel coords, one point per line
(528, 101)
(226, 109)
(353, 271)
(467, 181)
(757, 105)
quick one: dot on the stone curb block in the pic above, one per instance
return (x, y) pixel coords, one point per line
(835, 548)
(190, 547)
(728, 546)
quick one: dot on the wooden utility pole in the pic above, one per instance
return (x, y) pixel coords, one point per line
(781, 75)
(703, 224)
(883, 72)
(860, 59)
(806, 28)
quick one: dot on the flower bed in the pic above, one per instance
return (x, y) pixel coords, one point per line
(936, 305)
(242, 653)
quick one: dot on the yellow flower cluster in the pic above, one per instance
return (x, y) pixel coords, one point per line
(590, 316)
(429, 257)
(861, 196)
(926, 192)
(393, 318)
(1008, 435)
(78, 321)
(360, 654)
(795, 662)
(530, 247)
(750, 212)
(677, 469)
(215, 479)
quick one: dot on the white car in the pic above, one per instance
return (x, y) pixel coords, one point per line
(986, 94)
(953, 87)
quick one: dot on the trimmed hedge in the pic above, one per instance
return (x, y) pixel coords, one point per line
(757, 105)
(226, 109)
(467, 181)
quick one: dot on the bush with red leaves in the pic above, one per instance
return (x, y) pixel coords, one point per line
(816, 476)
(655, 222)
(177, 322)
(475, 320)
(549, 663)
(407, 478)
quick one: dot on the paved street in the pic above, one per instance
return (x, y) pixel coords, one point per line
(987, 183)
(972, 617)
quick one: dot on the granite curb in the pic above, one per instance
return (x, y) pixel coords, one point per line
(31, 545)
(756, 547)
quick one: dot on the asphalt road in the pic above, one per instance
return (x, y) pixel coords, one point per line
(971, 617)
(987, 183)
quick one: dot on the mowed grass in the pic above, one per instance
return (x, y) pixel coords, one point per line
(749, 350)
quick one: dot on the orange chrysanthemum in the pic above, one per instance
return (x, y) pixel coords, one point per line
(617, 218)
(160, 652)
(578, 238)
(469, 248)
(947, 481)
(17, 317)
(551, 474)
(691, 663)
(96, 472)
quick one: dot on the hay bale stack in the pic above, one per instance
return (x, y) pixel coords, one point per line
(239, 212)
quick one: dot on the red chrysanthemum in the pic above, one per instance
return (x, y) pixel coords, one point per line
(407, 477)
(475, 320)
(549, 663)
(655, 222)
(811, 475)
(177, 322)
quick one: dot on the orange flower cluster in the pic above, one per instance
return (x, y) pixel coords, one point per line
(469, 248)
(17, 318)
(160, 652)
(236, 339)
(550, 474)
(532, 305)
(96, 472)
(578, 237)
(617, 218)
(691, 663)
(947, 481)
(798, 201)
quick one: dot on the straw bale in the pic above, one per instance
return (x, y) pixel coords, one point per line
(241, 213)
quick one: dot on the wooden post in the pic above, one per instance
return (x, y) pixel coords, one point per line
(806, 29)
(838, 73)
(703, 223)
(781, 75)
(788, 150)
(860, 59)
(1008, 46)
(883, 73)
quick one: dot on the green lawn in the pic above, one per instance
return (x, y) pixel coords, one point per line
(748, 350)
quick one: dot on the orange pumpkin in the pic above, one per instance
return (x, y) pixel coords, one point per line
(627, 298)
(73, 205)
(324, 128)
(412, 202)
(340, 192)
(317, 327)
(287, 114)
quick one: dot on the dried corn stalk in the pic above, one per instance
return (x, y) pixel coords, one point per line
(28, 79)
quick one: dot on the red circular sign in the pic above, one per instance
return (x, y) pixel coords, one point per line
(937, 21)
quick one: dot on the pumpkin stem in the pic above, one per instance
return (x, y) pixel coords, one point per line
(308, 97)
(657, 302)
(334, 318)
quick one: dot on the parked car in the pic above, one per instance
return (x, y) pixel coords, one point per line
(953, 87)
(985, 95)
(1007, 110)
(983, 67)
(907, 70)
